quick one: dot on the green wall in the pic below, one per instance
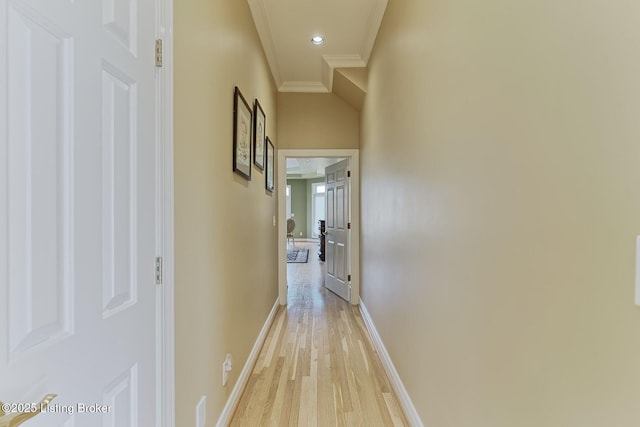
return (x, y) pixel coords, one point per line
(299, 205)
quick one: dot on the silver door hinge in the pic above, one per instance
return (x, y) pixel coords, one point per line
(159, 270)
(158, 52)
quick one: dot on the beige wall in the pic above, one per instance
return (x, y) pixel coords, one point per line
(226, 265)
(500, 162)
(316, 121)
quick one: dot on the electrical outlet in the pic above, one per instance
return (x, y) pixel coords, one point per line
(227, 366)
(301, 234)
(274, 220)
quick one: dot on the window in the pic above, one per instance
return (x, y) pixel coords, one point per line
(288, 198)
(318, 206)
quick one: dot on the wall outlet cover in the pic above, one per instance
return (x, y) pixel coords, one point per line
(227, 366)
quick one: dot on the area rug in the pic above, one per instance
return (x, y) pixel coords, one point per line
(297, 255)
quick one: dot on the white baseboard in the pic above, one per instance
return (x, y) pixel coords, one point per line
(236, 393)
(405, 401)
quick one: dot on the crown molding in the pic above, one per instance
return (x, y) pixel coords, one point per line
(311, 87)
(331, 62)
(260, 20)
(375, 20)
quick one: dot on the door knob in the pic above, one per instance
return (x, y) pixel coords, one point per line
(23, 412)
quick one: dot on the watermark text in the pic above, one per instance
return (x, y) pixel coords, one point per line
(57, 408)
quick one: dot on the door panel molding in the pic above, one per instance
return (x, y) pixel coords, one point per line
(39, 184)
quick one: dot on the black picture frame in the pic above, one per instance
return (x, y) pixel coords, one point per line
(270, 175)
(259, 135)
(242, 135)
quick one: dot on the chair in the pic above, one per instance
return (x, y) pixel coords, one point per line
(291, 225)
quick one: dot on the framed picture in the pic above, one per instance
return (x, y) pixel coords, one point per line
(259, 134)
(241, 135)
(270, 182)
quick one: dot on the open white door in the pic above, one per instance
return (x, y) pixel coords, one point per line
(77, 211)
(337, 229)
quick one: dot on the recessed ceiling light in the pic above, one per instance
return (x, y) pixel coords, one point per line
(317, 40)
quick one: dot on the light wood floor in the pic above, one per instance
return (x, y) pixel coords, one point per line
(318, 366)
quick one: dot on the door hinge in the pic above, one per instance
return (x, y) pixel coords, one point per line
(349, 226)
(158, 52)
(348, 278)
(348, 174)
(159, 270)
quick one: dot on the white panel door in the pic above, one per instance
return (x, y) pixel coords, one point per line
(337, 229)
(77, 211)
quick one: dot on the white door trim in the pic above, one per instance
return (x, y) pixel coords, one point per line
(165, 323)
(353, 154)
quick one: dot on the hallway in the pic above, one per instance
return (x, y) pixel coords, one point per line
(318, 366)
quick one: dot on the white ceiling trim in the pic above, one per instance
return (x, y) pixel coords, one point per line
(344, 61)
(339, 61)
(375, 20)
(261, 22)
(313, 87)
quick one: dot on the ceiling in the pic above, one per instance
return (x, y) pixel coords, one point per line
(307, 168)
(286, 27)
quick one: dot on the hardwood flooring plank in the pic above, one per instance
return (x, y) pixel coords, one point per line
(270, 399)
(288, 400)
(308, 415)
(275, 340)
(394, 410)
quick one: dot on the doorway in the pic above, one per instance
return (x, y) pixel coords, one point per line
(354, 264)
